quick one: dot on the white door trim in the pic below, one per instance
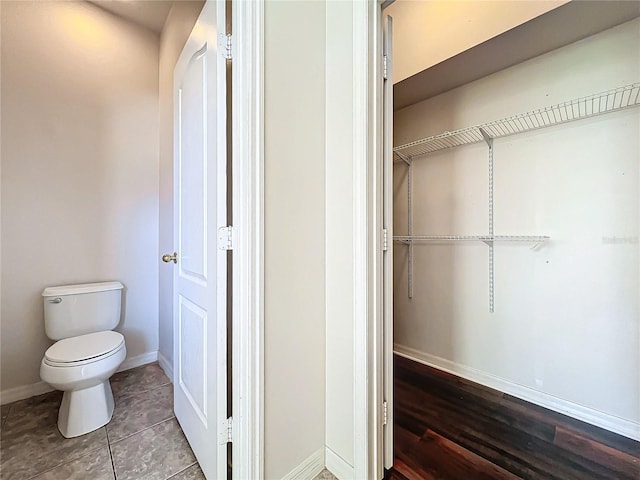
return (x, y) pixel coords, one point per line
(367, 234)
(387, 256)
(248, 253)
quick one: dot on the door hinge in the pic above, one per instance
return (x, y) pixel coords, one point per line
(225, 44)
(226, 432)
(385, 62)
(385, 240)
(385, 414)
(225, 238)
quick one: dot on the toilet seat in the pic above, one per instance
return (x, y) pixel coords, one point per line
(83, 349)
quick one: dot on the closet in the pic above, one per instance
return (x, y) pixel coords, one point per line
(516, 266)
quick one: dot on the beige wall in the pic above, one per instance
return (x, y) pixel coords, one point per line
(79, 170)
(176, 30)
(294, 234)
(567, 315)
(429, 32)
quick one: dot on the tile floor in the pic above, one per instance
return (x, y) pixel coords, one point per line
(142, 441)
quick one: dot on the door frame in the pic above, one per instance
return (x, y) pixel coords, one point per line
(367, 253)
(247, 141)
(387, 255)
(248, 221)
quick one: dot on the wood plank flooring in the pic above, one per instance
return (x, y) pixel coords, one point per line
(448, 428)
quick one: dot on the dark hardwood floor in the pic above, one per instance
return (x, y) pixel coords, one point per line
(449, 428)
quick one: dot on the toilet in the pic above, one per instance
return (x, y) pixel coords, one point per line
(86, 353)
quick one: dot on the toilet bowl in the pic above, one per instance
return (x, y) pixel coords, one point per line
(81, 362)
(81, 367)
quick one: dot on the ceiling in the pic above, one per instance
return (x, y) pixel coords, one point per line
(426, 33)
(150, 14)
(564, 25)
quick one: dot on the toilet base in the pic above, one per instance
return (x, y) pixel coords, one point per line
(83, 411)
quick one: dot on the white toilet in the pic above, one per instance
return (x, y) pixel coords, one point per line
(87, 352)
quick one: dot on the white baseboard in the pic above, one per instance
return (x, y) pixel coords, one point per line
(14, 394)
(166, 365)
(138, 360)
(309, 468)
(27, 391)
(337, 465)
(615, 424)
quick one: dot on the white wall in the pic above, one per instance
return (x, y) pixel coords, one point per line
(339, 239)
(176, 30)
(429, 32)
(294, 222)
(79, 170)
(566, 321)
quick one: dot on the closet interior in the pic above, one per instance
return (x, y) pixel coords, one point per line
(516, 262)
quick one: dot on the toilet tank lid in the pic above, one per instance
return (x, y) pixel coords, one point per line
(81, 288)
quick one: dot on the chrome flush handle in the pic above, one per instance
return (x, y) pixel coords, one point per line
(55, 300)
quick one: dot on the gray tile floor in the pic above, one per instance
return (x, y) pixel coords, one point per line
(142, 441)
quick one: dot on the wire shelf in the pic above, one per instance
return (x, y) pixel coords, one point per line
(592, 105)
(537, 239)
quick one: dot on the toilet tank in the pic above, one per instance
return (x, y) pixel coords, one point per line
(72, 310)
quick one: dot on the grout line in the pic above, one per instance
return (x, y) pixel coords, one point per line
(113, 464)
(145, 428)
(89, 452)
(180, 471)
(143, 391)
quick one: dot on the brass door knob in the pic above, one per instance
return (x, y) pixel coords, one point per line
(166, 258)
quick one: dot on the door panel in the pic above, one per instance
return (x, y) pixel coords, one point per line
(193, 168)
(192, 323)
(200, 277)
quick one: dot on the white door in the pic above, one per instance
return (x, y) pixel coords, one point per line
(200, 210)
(387, 259)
